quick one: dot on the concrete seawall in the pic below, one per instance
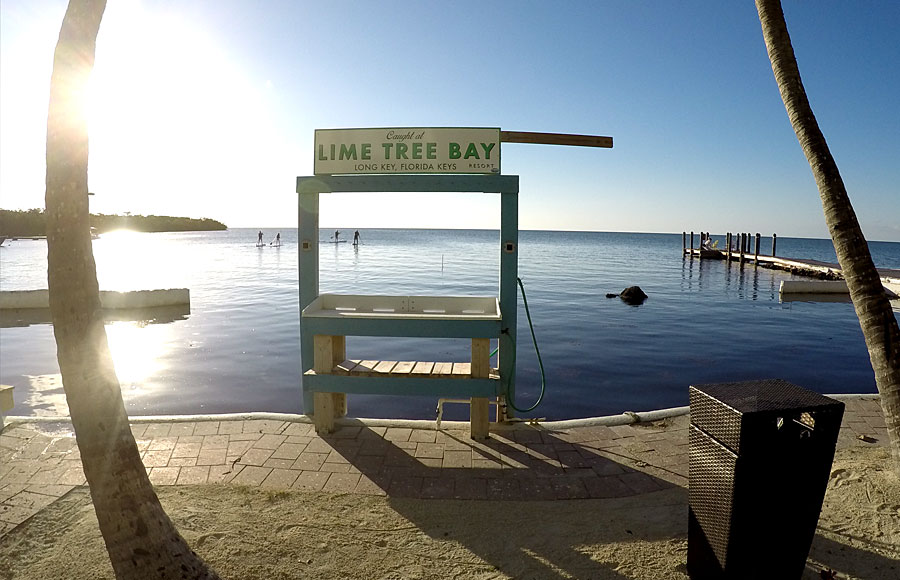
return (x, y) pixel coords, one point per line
(26, 299)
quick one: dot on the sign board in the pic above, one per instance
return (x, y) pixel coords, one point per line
(407, 150)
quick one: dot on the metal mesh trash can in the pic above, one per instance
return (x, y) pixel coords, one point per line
(760, 458)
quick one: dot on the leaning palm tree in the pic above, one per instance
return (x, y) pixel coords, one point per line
(141, 540)
(879, 326)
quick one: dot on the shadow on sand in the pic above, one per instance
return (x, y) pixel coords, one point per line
(522, 469)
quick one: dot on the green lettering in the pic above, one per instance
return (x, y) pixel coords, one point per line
(322, 153)
(487, 149)
(401, 150)
(417, 150)
(431, 150)
(454, 150)
(348, 152)
(387, 149)
(365, 151)
(471, 151)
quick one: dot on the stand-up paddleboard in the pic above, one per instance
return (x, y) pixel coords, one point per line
(337, 242)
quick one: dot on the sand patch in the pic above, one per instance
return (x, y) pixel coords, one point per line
(249, 533)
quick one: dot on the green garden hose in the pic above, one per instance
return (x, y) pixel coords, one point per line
(509, 397)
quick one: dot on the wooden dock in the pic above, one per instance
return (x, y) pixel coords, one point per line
(743, 250)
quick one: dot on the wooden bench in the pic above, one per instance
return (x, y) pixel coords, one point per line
(330, 318)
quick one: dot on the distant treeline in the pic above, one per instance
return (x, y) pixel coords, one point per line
(33, 222)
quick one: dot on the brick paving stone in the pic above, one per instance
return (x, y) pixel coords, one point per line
(193, 475)
(368, 486)
(342, 482)
(278, 463)
(212, 457)
(301, 429)
(423, 436)
(527, 436)
(288, 451)
(251, 475)
(221, 473)
(606, 487)
(368, 463)
(238, 447)
(183, 462)
(164, 475)
(72, 476)
(47, 476)
(433, 450)
(438, 487)
(537, 488)
(138, 430)
(319, 445)
(405, 486)
(162, 443)
(454, 440)
(372, 433)
(486, 464)
(430, 463)
(470, 488)
(270, 441)
(503, 488)
(335, 467)
(186, 449)
(206, 428)
(311, 480)
(159, 458)
(298, 440)
(215, 442)
(264, 426)
(346, 432)
(458, 459)
(244, 437)
(309, 461)
(376, 447)
(280, 479)
(255, 456)
(336, 457)
(567, 487)
(155, 430)
(397, 434)
(182, 429)
(15, 514)
(229, 428)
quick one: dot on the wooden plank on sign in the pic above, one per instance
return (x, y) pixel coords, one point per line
(422, 368)
(462, 369)
(366, 366)
(403, 368)
(385, 366)
(442, 369)
(556, 139)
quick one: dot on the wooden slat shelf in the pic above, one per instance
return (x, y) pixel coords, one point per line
(400, 369)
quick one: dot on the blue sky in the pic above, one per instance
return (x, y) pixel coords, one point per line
(207, 109)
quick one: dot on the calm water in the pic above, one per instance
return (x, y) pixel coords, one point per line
(238, 350)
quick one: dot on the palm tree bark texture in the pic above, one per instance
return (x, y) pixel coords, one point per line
(879, 325)
(141, 540)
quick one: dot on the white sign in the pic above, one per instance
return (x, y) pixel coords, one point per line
(407, 150)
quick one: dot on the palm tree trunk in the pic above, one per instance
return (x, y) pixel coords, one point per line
(141, 540)
(879, 326)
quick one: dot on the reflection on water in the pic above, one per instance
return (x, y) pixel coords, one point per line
(45, 396)
(12, 317)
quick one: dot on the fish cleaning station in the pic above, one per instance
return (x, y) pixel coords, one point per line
(426, 161)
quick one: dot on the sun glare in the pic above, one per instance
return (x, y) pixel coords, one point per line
(169, 112)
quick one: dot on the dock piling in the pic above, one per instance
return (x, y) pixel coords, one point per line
(756, 250)
(774, 237)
